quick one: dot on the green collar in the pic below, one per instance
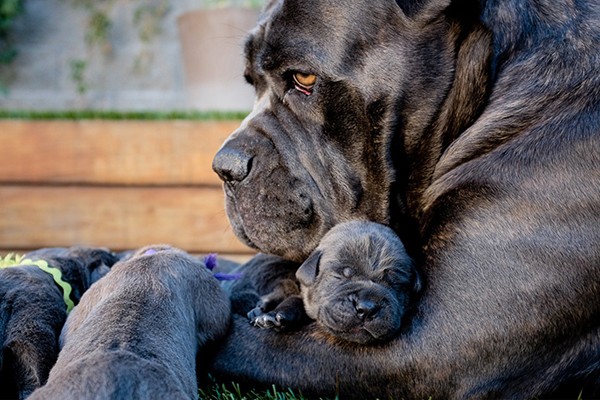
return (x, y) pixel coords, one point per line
(8, 261)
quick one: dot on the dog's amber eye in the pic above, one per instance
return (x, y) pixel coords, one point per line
(307, 80)
(304, 82)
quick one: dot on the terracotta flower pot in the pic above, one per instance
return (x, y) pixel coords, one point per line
(211, 44)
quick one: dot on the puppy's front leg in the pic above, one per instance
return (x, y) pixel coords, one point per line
(287, 315)
(264, 315)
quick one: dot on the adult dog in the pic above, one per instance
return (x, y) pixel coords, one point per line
(137, 332)
(34, 302)
(472, 126)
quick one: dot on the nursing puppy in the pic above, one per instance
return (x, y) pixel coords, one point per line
(33, 310)
(136, 334)
(357, 285)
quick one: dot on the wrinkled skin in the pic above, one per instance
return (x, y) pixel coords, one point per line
(292, 193)
(470, 127)
(358, 282)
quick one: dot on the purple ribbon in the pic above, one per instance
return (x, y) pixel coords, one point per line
(210, 260)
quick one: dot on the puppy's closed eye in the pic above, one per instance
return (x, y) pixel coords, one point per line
(348, 272)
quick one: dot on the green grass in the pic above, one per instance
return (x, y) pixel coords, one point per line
(233, 391)
(127, 115)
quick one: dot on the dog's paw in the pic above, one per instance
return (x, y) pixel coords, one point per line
(255, 313)
(271, 320)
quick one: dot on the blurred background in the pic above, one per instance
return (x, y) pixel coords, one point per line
(110, 114)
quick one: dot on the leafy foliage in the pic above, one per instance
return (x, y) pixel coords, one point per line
(9, 10)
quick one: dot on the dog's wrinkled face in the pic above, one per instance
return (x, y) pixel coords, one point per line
(316, 150)
(358, 282)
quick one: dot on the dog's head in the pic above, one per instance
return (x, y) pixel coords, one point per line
(358, 282)
(337, 84)
(80, 266)
(179, 271)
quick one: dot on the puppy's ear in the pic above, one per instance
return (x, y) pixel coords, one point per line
(417, 281)
(308, 271)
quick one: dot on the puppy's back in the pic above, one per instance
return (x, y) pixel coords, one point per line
(135, 333)
(113, 375)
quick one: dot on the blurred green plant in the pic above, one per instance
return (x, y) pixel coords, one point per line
(98, 23)
(77, 115)
(9, 10)
(98, 30)
(147, 18)
(78, 74)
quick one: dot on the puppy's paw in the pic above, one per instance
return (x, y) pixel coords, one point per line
(288, 315)
(271, 320)
(256, 312)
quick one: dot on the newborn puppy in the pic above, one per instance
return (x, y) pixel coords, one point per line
(136, 333)
(33, 309)
(356, 285)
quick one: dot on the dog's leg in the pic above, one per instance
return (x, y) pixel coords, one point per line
(265, 282)
(265, 314)
(288, 315)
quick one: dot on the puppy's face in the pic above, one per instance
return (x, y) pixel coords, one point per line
(358, 282)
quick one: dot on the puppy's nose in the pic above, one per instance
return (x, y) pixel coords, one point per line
(365, 308)
(232, 165)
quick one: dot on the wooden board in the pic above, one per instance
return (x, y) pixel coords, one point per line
(115, 217)
(111, 152)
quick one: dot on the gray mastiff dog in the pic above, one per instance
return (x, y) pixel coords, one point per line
(471, 127)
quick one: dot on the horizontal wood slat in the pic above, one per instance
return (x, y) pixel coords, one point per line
(111, 152)
(118, 218)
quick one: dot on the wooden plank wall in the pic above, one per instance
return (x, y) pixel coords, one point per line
(117, 184)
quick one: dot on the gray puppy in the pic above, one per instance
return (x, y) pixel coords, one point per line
(357, 285)
(137, 333)
(33, 309)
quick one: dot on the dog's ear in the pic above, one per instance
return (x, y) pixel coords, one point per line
(417, 281)
(308, 271)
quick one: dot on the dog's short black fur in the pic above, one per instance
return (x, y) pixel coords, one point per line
(472, 127)
(137, 332)
(33, 311)
(356, 285)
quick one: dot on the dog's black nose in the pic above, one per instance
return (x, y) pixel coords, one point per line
(232, 165)
(365, 308)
